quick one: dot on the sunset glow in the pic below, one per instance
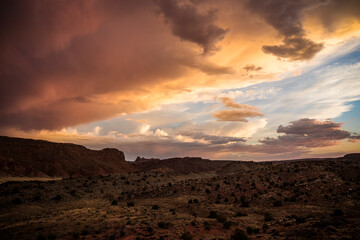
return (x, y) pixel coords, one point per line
(243, 80)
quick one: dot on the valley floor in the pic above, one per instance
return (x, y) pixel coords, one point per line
(295, 200)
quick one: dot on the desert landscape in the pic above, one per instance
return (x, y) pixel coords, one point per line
(180, 119)
(178, 198)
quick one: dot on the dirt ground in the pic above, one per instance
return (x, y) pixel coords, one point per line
(294, 200)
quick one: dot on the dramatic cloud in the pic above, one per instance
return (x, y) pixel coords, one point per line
(336, 11)
(140, 75)
(66, 63)
(213, 139)
(295, 48)
(309, 133)
(286, 17)
(251, 67)
(189, 24)
(240, 113)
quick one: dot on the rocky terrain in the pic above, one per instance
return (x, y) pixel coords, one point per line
(37, 158)
(302, 199)
(183, 165)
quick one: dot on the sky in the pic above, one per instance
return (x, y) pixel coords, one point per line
(231, 79)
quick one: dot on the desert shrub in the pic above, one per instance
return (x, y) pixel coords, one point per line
(57, 197)
(150, 229)
(130, 204)
(265, 227)
(227, 224)
(221, 218)
(213, 214)
(207, 191)
(249, 230)
(239, 235)
(122, 233)
(164, 225)
(193, 223)
(186, 236)
(17, 201)
(114, 202)
(155, 207)
(299, 219)
(241, 214)
(75, 235)
(84, 232)
(196, 200)
(244, 203)
(41, 237)
(190, 201)
(217, 202)
(277, 203)
(37, 197)
(226, 200)
(268, 217)
(207, 225)
(338, 213)
(51, 236)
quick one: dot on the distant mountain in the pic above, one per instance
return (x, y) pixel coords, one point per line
(35, 158)
(38, 158)
(184, 165)
(244, 166)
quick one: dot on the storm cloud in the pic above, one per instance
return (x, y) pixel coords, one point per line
(309, 133)
(189, 24)
(286, 17)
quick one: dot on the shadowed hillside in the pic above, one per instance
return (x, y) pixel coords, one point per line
(183, 165)
(26, 157)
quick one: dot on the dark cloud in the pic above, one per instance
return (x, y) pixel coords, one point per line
(198, 62)
(54, 52)
(188, 23)
(251, 67)
(295, 48)
(309, 133)
(336, 11)
(213, 139)
(286, 17)
(239, 113)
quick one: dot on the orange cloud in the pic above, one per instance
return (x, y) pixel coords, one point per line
(240, 113)
(67, 63)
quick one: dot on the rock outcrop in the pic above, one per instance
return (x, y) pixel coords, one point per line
(35, 158)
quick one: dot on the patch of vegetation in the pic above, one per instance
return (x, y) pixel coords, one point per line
(17, 201)
(155, 207)
(241, 214)
(239, 235)
(338, 213)
(207, 225)
(186, 236)
(268, 217)
(277, 203)
(164, 225)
